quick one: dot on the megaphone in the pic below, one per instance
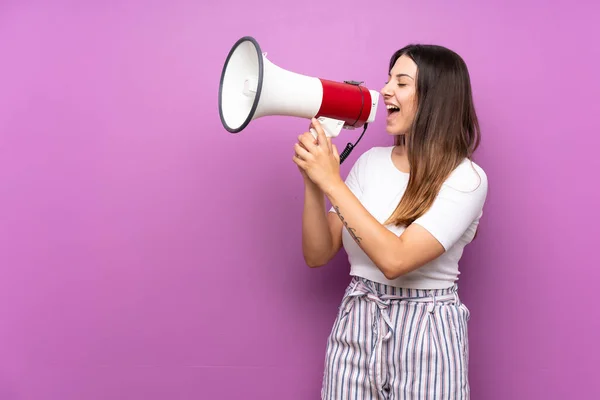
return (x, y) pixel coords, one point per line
(252, 87)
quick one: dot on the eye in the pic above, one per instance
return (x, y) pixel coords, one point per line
(402, 84)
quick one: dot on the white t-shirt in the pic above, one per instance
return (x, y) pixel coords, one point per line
(452, 218)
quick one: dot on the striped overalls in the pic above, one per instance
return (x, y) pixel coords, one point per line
(398, 344)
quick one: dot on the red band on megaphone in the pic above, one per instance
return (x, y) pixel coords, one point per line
(346, 102)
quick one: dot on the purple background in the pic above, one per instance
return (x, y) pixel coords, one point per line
(146, 253)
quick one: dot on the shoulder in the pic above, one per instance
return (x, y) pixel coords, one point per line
(468, 176)
(368, 163)
(458, 204)
(373, 155)
(380, 152)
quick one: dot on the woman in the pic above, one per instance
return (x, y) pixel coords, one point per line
(404, 215)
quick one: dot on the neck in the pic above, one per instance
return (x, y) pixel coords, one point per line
(400, 145)
(400, 156)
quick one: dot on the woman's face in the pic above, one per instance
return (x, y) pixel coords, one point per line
(399, 94)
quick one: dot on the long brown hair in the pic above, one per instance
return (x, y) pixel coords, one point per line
(445, 130)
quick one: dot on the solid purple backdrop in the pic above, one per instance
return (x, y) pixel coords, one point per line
(146, 253)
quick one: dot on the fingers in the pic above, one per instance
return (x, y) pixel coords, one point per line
(301, 152)
(299, 162)
(308, 141)
(321, 137)
(335, 152)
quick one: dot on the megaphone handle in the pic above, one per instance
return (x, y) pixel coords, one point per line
(327, 123)
(332, 127)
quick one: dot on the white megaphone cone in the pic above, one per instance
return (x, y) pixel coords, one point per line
(253, 87)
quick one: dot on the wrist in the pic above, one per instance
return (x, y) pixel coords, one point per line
(333, 187)
(311, 186)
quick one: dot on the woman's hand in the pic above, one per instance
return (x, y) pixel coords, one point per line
(302, 172)
(320, 161)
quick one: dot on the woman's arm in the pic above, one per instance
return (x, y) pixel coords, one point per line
(321, 230)
(393, 255)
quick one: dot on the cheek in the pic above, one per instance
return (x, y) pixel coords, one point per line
(407, 103)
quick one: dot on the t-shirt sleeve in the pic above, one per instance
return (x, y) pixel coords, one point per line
(356, 177)
(453, 211)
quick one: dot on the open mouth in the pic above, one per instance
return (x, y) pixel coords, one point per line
(392, 110)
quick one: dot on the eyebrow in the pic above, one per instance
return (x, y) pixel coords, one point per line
(401, 75)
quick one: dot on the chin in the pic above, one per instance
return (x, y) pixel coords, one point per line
(395, 126)
(394, 130)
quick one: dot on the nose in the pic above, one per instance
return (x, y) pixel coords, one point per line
(385, 91)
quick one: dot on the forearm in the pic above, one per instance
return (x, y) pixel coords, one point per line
(316, 235)
(381, 245)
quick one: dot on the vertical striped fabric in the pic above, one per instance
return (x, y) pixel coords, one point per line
(398, 344)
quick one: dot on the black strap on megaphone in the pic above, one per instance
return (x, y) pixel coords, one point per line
(350, 146)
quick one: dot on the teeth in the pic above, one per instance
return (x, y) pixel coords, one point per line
(391, 107)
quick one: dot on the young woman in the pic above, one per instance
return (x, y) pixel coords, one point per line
(404, 215)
